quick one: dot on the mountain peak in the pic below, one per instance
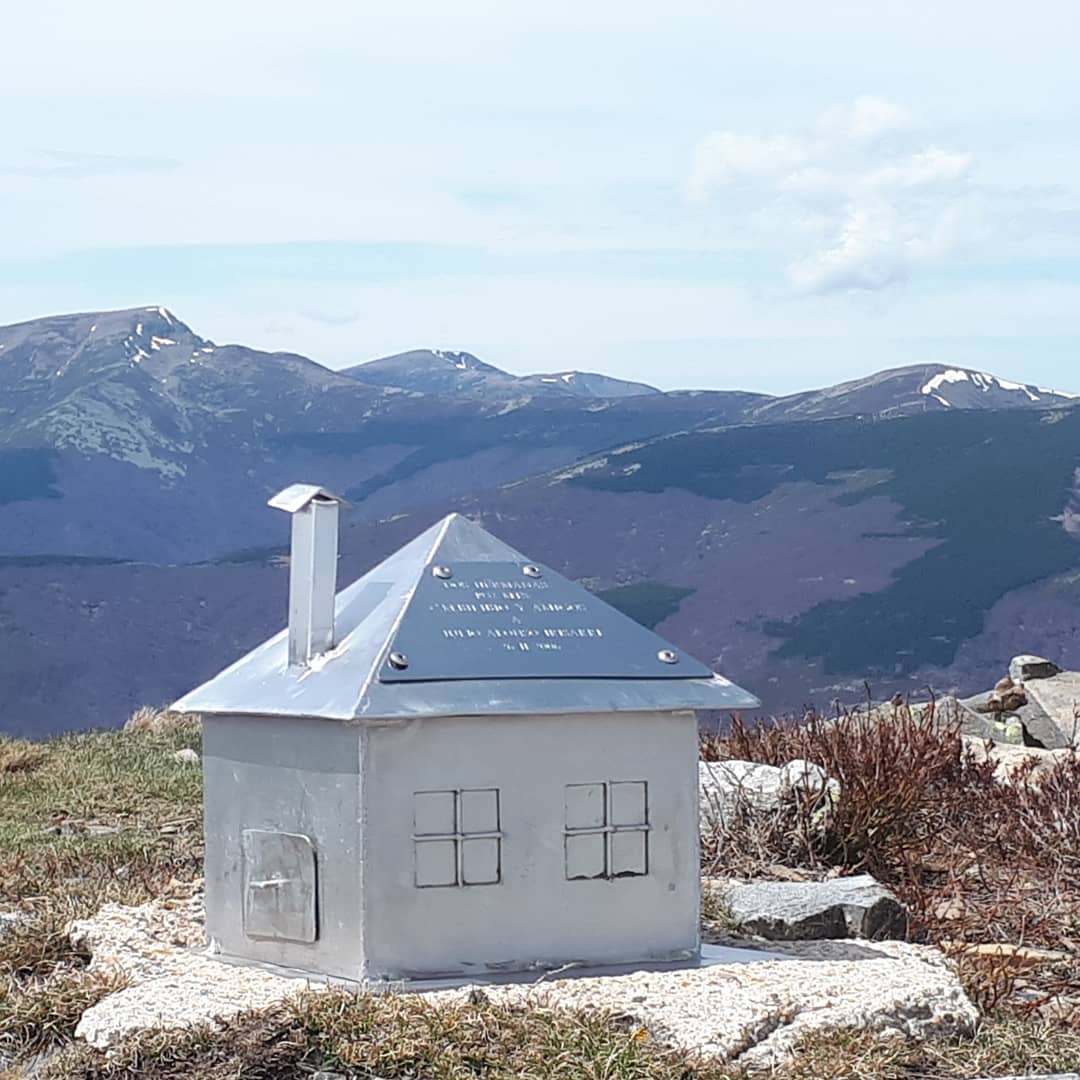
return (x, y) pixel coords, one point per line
(946, 382)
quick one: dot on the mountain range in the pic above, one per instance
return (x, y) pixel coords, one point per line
(915, 527)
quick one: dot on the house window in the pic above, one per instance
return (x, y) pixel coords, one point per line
(456, 837)
(607, 830)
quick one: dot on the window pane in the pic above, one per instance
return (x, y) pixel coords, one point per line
(629, 853)
(433, 813)
(585, 856)
(585, 806)
(480, 811)
(436, 862)
(628, 803)
(480, 862)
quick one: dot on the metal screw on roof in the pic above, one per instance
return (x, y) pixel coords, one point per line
(442, 572)
(531, 571)
(666, 656)
(399, 661)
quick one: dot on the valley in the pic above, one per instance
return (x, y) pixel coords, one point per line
(913, 528)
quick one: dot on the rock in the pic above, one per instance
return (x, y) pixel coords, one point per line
(1005, 701)
(753, 1012)
(97, 828)
(1008, 758)
(842, 907)
(73, 827)
(724, 786)
(1058, 696)
(1031, 725)
(10, 921)
(170, 984)
(187, 756)
(1026, 668)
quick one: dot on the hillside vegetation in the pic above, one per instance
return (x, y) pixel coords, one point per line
(27, 474)
(987, 487)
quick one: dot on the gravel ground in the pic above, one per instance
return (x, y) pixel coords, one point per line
(752, 1012)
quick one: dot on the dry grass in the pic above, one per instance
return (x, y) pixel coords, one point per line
(1003, 1046)
(18, 755)
(406, 1037)
(59, 860)
(395, 1036)
(104, 816)
(39, 1014)
(975, 860)
(897, 776)
(147, 718)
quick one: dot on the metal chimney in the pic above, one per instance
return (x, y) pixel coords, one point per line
(312, 568)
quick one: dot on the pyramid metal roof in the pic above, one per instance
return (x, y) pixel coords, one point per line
(457, 623)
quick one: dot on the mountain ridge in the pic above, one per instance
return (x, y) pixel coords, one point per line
(132, 334)
(798, 542)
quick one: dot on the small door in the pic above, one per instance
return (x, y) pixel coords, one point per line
(280, 886)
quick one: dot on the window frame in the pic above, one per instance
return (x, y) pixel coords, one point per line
(459, 837)
(607, 829)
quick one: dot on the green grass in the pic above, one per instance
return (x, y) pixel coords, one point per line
(122, 779)
(646, 602)
(395, 1036)
(985, 485)
(126, 780)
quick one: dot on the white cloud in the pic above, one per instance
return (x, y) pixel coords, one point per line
(928, 168)
(845, 210)
(865, 118)
(727, 157)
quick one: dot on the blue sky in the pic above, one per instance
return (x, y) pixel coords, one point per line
(762, 195)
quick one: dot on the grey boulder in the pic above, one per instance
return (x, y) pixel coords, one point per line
(10, 922)
(809, 910)
(724, 786)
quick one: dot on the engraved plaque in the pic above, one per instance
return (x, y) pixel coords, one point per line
(490, 620)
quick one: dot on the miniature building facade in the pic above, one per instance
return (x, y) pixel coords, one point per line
(477, 767)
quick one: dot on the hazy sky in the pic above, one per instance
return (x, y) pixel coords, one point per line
(764, 195)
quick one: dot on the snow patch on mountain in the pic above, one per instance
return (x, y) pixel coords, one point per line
(984, 382)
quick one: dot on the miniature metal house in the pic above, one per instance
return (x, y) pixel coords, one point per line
(466, 764)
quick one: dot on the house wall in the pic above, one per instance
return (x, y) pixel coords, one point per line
(534, 915)
(291, 776)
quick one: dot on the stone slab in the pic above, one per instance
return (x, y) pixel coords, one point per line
(739, 1005)
(1059, 698)
(799, 910)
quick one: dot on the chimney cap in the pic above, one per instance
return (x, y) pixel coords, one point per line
(296, 496)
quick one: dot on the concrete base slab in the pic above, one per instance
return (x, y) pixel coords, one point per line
(732, 1003)
(711, 956)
